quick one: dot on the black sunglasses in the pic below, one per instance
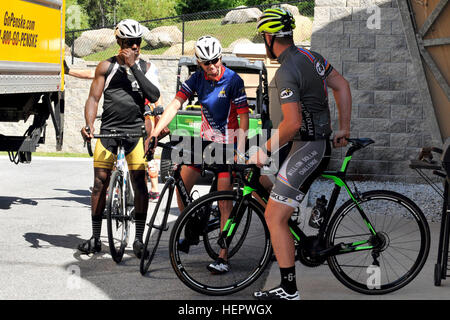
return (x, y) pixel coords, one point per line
(213, 61)
(131, 42)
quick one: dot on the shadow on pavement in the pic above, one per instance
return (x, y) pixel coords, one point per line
(81, 196)
(69, 241)
(6, 202)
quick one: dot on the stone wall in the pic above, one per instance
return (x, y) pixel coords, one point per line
(387, 106)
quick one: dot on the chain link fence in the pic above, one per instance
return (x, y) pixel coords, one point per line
(174, 36)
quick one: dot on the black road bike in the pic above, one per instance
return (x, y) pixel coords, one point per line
(374, 243)
(159, 221)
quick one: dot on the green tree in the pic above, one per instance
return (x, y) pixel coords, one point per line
(100, 12)
(76, 17)
(193, 6)
(145, 9)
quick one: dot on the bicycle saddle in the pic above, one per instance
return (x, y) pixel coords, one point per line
(361, 142)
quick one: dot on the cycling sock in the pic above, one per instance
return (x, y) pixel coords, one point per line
(140, 226)
(288, 281)
(97, 226)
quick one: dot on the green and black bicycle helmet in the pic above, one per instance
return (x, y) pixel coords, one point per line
(276, 21)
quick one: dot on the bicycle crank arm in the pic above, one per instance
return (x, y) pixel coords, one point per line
(331, 251)
(160, 227)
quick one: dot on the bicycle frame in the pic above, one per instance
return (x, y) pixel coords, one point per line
(122, 166)
(251, 184)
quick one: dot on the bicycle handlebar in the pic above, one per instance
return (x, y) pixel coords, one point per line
(87, 143)
(121, 135)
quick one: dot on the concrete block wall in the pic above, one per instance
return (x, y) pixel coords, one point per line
(386, 104)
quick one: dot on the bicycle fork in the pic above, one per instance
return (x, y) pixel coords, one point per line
(228, 232)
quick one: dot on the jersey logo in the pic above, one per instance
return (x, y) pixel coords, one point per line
(286, 93)
(222, 93)
(320, 68)
(135, 86)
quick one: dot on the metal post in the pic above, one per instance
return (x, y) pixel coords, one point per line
(182, 35)
(73, 46)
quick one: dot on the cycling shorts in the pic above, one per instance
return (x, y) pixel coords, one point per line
(304, 163)
(105, 154)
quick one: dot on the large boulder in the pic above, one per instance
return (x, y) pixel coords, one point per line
(292, 9)
(93, 41)
(189, 49)
(243, 15)
(303, 28)
(166, 36)
(241, 41)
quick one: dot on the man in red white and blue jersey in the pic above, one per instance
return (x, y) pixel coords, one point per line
(222, 97)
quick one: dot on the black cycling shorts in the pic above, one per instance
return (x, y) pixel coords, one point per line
(304, 163)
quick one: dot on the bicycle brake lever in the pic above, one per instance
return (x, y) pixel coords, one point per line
(87, 143)
(151, 146)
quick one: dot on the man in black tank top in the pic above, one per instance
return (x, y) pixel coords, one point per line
(125, 82)
(302, 81)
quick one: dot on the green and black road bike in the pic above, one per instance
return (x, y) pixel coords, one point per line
(374, 243)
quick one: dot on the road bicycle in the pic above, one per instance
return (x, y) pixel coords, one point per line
(374, 243)
(441, 169)
(119, 210)
(159, 221)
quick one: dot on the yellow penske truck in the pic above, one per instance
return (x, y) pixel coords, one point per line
(31, 73)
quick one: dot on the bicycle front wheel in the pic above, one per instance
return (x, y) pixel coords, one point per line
(387, 261)
(156, 226)
(189, 258)
(212, 233)
(118, 221)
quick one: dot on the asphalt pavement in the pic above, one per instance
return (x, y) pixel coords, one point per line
(45, 214)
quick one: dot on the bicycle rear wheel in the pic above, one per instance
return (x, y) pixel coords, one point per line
(247, 263)
(398, 252)
(118, 221)
(156, 226)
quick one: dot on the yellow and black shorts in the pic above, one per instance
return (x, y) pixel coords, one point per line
(106, 150)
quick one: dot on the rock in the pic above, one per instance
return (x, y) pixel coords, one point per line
(242, 16)
(291, 9)
(237, 42)
(67, 50)
(303, 28)
(93, 41)
(189, 49)
(166, 36)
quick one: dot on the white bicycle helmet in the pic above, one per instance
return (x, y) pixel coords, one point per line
(128, 28)
(207, 48)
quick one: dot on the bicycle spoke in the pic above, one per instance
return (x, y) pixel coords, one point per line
(401, 244)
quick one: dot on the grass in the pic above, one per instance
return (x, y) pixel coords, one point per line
(226, 34)
(193, 30)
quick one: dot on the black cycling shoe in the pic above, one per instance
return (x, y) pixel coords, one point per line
(277, 293)
(138, 247)
(93, 245)
(185, 244)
